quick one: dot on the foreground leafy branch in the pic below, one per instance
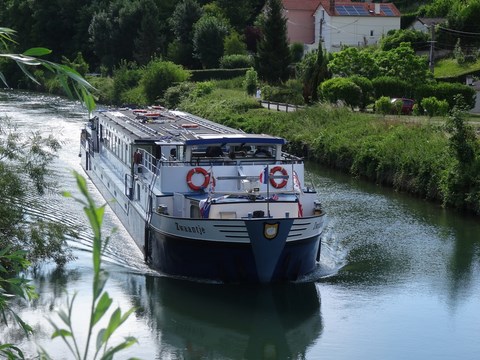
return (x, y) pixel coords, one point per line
(13, 286)
(72, 82)
(101, 301)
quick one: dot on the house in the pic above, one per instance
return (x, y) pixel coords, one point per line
(338, 22)
(425, 24)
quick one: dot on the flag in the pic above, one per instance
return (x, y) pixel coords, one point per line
(300, 209)
(211, 182)
(264, 175)
(296, 183)
(205, 207)
(274, 197)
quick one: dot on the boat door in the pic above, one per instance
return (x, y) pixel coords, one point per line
(178, 205)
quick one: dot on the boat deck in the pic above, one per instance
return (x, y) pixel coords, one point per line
(158, 125)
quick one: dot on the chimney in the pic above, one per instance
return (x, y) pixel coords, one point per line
(332, 6)
(377, 8)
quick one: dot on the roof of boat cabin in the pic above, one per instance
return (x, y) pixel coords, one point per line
(176, 127)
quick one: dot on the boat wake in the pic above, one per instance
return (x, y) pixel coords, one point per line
(333, 256)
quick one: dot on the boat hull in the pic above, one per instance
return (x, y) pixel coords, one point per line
(236, 251)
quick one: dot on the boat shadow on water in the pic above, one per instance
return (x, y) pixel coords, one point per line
(233, 320)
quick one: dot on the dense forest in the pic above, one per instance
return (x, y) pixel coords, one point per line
(106, 32)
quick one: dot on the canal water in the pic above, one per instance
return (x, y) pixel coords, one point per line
(399, 278)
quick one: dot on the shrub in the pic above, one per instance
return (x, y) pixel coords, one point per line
(127, 76)
(236, 61)
(251, 81)
(383, 105)
(342, 89)
(159, 76)
(296, 51)
(203, 88)
(434, 107)
(174, 95)
(391, 87)
(366, 87)
(447, 91)
(78, 64)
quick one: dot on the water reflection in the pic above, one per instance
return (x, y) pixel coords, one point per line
(212, 321)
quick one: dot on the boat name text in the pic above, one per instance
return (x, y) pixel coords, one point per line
(190, 229)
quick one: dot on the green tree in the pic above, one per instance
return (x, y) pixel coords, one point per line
(417, 39)
(341, 89)
(184, 17)
(460, 186)
(208, 38)
(149, 41)
(354, 61)
(273, 56)
(234, 44)
(240, 13)
(159, 76)
(402, 62)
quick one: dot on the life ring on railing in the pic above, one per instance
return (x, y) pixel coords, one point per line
(206, 180)
(281, 184)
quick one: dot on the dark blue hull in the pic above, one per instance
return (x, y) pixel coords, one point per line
(230, 262)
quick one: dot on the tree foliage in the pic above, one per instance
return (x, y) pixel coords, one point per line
(341, 89)
(208, 37)
(159, 76)
(417, 39)
(273, 57)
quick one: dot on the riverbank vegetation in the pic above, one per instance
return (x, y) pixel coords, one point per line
(436, 159)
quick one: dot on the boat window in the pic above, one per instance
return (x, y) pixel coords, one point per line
(214, 151)
(263, 151)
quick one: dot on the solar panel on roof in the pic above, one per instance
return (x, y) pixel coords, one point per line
(341, 10)
(386, 10)
(352, 10)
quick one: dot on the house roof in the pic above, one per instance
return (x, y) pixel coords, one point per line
(307, 5)
(343, 7)
(432, 21)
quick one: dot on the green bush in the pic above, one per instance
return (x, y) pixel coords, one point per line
(216, 74)
(125, 77)
(366, 87)
(174, 95)
(434, 107)
(203, 88)
(341, 89)
(251, 81)
(296, 51)
(391, 87)
(159, 76)
(383, 105)
(447, 91)
(236, 61)
(104, 86)
(78, 64)
(134, 96)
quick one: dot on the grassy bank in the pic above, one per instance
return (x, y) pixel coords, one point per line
(411, 156)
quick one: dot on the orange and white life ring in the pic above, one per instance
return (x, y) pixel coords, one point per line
(206, 180)
(273, 171)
